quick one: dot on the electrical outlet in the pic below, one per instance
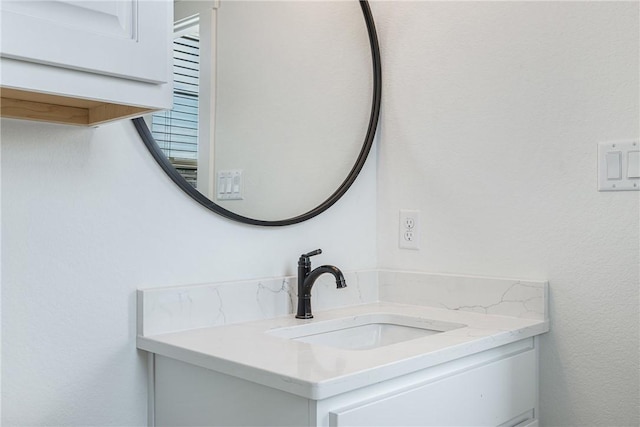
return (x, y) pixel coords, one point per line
(409, 229)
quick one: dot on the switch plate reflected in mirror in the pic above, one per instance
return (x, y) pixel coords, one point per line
(229, 185)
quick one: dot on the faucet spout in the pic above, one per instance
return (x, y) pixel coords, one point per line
(306, 280)
(313, 276)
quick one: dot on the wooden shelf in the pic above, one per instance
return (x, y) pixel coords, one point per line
(18, 104)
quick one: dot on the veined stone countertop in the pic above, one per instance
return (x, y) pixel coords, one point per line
(246, 350)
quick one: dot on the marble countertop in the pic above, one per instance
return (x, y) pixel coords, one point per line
(247, 351)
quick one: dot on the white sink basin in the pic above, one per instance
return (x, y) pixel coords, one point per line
(364, 332)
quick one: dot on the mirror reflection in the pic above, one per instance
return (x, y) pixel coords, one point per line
(272, 102)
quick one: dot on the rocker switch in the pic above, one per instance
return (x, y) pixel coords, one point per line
(614, 159)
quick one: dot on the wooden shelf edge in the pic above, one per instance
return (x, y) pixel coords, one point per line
(109, 112)
(56, 109)
(39, 111)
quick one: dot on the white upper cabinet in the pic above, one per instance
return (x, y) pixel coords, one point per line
(110, 58)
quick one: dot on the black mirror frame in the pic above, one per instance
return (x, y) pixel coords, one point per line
(158, 155)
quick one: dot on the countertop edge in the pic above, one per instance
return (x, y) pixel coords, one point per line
(344, 383)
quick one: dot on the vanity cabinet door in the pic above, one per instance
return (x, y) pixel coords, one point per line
(123, 38)
(502, 393)
(190, 396)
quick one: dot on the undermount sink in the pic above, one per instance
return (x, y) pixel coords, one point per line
(364, 332)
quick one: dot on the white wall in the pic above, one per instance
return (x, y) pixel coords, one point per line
(491, 115)
(87, 218)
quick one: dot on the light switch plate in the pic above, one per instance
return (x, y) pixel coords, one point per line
(229, 185)
(617, 166)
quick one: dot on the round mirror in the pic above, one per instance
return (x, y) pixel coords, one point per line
(276, 104)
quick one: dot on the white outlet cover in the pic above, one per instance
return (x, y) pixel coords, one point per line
(409, 229)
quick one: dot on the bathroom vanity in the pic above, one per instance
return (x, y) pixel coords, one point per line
(397, 349)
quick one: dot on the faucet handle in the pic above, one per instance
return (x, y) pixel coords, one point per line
(312, 253)
(304, 260)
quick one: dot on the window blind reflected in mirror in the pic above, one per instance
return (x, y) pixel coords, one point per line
(176, 130)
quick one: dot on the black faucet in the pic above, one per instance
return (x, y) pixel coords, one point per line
(306, 279)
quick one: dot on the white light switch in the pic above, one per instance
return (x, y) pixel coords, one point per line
(614, 163)
(221, 184)
(230, 185)
(227, 182)
(619, 165)
(633, 164)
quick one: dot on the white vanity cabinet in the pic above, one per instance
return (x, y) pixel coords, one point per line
(85, 62)
(476, 369)
(495, 387)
